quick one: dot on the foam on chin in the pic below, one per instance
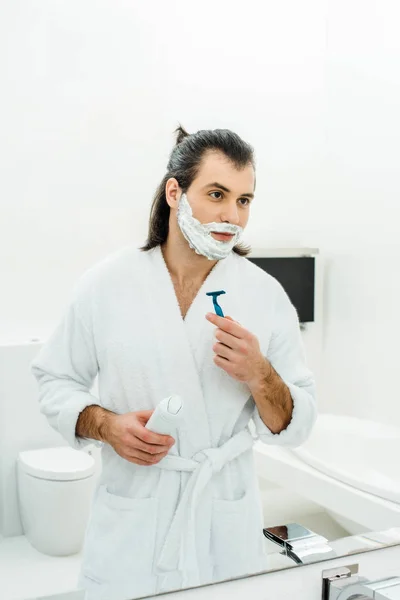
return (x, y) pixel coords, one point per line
(198, 235)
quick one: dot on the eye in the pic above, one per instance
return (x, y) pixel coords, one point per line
(217, 193)
(247, 200)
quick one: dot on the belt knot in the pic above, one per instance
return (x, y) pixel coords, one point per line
(213, 455)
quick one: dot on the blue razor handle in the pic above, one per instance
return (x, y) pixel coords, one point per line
(217, 307)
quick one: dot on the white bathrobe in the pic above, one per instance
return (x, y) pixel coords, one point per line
(196, 516)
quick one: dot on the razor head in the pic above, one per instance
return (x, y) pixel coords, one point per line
(215, 294)
(217, 307)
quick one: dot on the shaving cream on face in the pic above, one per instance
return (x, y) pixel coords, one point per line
(199, 236)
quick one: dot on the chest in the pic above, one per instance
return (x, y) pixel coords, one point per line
(185, 295)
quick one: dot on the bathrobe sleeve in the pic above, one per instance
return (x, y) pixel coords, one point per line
(287, 355)
(65, 369)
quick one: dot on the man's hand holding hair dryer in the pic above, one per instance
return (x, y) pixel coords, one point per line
(126, 433)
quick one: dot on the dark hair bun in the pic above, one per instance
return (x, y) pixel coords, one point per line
(181, 134)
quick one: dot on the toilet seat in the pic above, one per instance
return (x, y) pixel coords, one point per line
(58, 464)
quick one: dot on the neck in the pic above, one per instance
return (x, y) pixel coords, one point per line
(183, 263)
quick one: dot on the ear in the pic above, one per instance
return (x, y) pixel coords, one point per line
(172, 192)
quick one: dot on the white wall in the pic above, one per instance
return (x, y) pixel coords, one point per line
(360, 231)
(93, 93)
(22, 427)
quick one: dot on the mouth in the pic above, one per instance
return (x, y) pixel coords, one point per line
(223, 237)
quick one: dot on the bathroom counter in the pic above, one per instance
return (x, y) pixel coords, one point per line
(26, 573)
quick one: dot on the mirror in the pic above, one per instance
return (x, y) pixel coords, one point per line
(278, 428)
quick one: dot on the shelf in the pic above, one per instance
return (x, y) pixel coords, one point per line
(282, 252)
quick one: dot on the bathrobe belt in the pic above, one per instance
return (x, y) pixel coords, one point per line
(179, 548)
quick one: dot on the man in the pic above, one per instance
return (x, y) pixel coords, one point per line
(171, 511)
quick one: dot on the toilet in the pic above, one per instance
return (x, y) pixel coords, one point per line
(55, 489)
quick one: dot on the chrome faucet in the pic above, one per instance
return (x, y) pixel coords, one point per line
(341, 584)
(299, 543)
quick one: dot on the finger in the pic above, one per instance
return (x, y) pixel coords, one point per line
(224, 351)
(144, 415)
(228, 340)
(154, 438)
(149, 448)
(222, 362)
(230, 318)
(150, 437)
(132, 456)
(150, 459)
(226, 324)
(137, 461)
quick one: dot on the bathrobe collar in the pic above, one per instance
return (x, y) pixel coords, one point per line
(190, 340)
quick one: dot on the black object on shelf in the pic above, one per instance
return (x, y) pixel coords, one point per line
(297, 276)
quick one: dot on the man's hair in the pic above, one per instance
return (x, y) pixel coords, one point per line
(184, 164)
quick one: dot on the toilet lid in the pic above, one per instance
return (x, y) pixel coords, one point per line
(61, 464)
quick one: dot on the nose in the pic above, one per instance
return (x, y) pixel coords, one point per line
(231, 214)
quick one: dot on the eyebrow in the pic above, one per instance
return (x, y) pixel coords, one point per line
(222, 187)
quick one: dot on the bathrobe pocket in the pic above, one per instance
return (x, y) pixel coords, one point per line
(236, 538)
(120, 538)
